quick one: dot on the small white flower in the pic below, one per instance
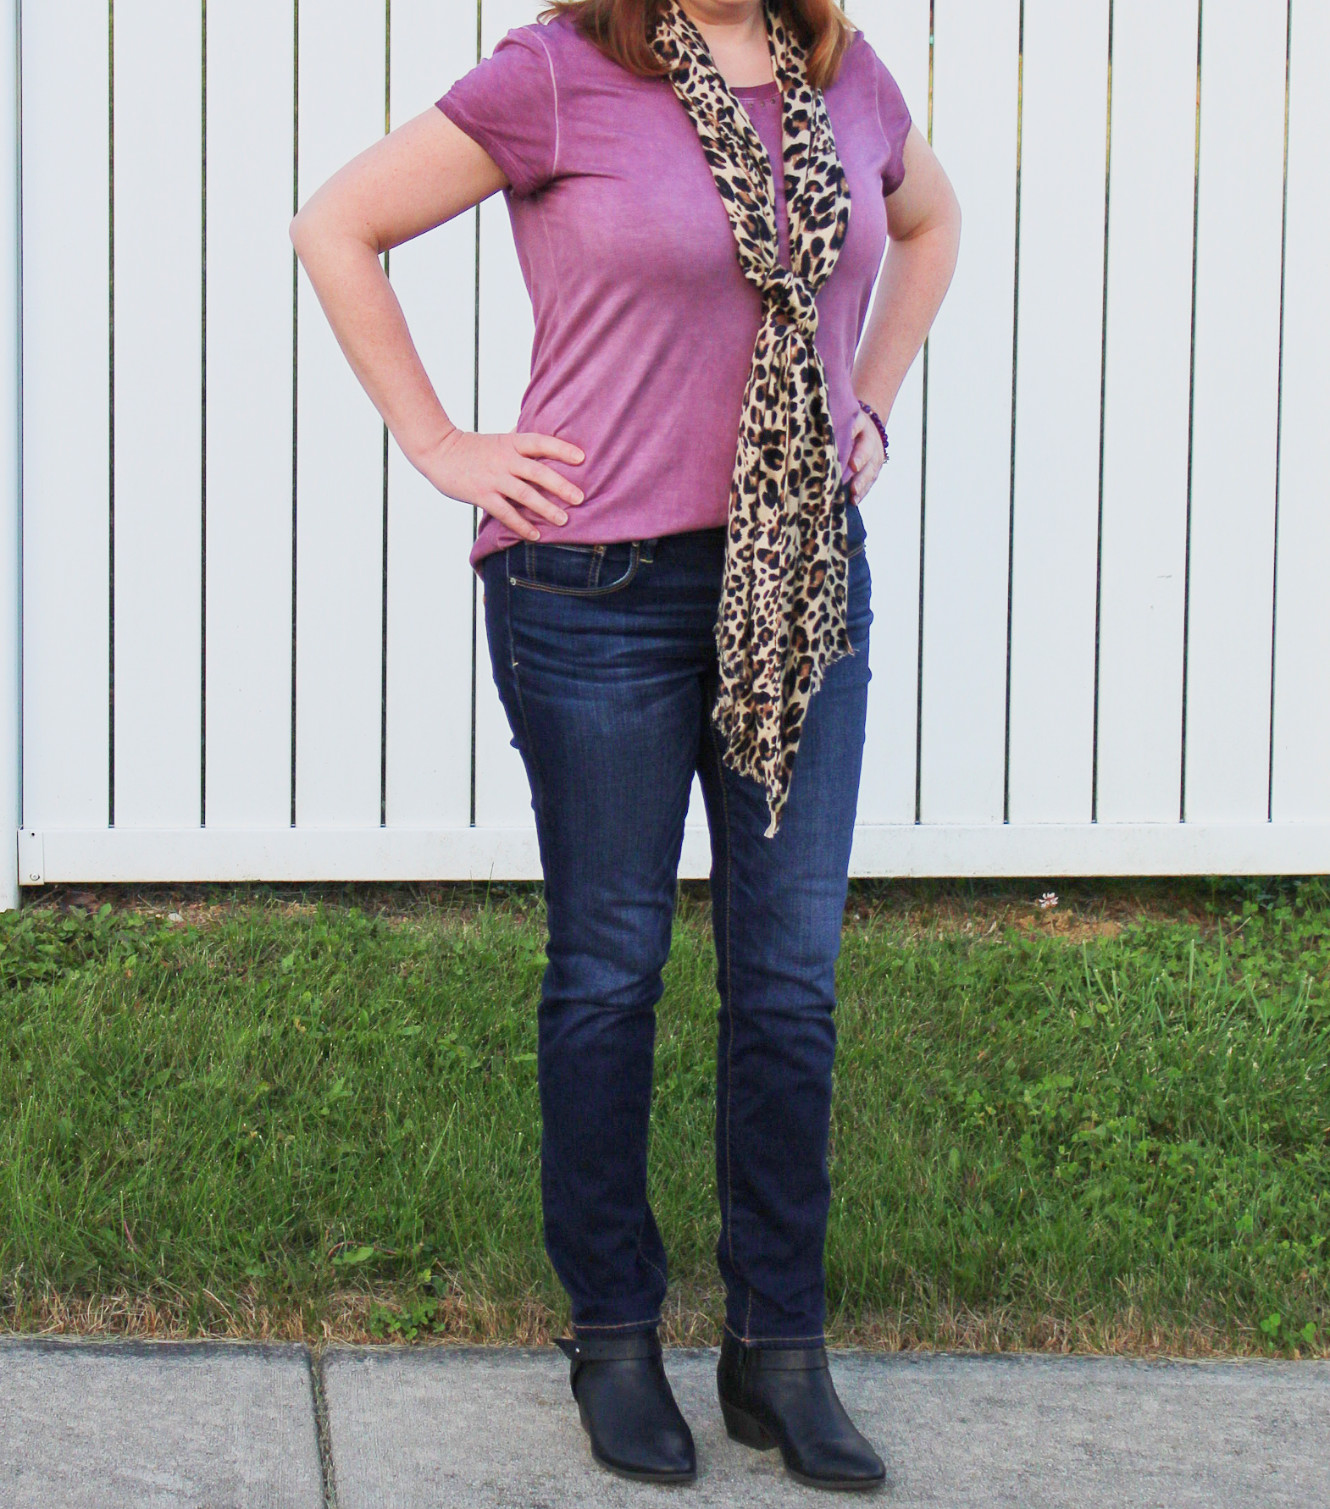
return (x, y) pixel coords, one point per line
(1048, 899)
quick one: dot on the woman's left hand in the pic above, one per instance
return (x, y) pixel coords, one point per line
(867, 457)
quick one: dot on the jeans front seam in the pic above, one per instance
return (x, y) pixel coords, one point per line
(729, 993)
(654, 1266)
(537, 784)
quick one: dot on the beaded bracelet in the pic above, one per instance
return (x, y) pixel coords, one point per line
(878, 426)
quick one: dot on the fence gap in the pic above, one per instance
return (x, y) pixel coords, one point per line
(295, 387)
(1103, 411)
(110, 522)
(383, 590)
(1279, 409)
(1191, 410)
(1015, 353)
(203, 434)
(923, 492)
(475, 425)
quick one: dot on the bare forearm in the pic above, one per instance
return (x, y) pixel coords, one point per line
(422, 174)
(367, 320)
(915, 278)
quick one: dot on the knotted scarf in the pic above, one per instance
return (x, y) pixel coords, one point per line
(782, 616)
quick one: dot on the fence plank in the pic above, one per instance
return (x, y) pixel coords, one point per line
(339, 528)
(900, 35)
(66, 406)
(1301, 785)
(1060, 353)
(158, 380)
(1146, 404)
(250, 314)
(507, 327)
(1231, 570)
(969, 421)
(429, 581)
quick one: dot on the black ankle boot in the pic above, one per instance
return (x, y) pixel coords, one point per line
(783, 1396)
(626, 1406)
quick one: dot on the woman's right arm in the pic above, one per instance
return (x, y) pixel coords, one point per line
(414, 178)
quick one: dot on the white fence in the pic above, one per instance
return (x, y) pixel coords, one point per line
(250, 644)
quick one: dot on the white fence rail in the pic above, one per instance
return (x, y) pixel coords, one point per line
(250, 641)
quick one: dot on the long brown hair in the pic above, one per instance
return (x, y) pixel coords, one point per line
(619, 29)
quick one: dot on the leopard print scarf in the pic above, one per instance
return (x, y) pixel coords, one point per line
(782, 617)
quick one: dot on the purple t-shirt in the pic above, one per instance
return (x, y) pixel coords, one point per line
(644, 320)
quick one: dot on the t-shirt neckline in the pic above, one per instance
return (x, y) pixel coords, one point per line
(756, 91)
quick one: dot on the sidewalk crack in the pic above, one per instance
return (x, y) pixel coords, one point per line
(322, 1427)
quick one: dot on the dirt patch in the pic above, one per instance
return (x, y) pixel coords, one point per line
(205, 904)
(688, 1320)
(1070, 910)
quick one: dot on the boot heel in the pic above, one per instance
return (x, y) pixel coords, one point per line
(741, 1426)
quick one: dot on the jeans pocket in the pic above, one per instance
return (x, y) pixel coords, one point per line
(573, 570)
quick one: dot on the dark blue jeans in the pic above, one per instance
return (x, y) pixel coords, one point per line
(605, 660)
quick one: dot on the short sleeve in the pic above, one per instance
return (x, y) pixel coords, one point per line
(508, 103)
(894, 117)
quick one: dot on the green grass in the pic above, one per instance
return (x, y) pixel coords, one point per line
(323, 1121)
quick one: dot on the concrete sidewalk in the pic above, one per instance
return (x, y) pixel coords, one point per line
(145, 1426)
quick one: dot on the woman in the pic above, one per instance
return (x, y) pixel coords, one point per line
(675, 581)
